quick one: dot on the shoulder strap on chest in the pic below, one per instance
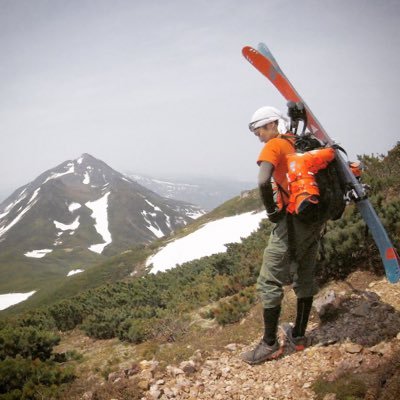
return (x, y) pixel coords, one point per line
(289, 138)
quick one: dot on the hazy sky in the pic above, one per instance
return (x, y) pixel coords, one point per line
(161, 87)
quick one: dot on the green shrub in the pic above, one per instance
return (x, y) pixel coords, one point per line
(67, 314)
(134, 330)
(235, 308)
(28, 342)
(102, 325)
(40, 319)
(31, 379)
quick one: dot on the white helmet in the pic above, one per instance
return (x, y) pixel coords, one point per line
(265, 115)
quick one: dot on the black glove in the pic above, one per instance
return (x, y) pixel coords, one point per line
(276, 215)
(273, 212)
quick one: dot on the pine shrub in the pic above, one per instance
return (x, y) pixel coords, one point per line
(22, 378)
(28, 342)
(134, 330)
(235, 308)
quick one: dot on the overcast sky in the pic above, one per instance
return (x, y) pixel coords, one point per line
(161, 87)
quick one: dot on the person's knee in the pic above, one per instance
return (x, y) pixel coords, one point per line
(271, 301)
(305, 289)
(270, 293)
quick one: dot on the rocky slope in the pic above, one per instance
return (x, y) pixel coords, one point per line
(354, 350)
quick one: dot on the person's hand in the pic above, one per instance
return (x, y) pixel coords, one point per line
(276, 215)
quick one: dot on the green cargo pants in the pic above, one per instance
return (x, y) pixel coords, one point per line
(278, 269)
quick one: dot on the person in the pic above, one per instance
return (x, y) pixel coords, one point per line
(284, 261)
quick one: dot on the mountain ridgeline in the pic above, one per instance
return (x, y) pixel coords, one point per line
(76, 214)
(208, 193)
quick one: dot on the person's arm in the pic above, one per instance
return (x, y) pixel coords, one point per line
(266, 192)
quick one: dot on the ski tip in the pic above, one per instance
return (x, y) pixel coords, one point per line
(247, 50)
(262, 45)
(392, 265)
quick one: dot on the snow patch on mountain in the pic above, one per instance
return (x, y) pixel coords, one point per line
(67, 227)
(86, 179)
(56, 175)
(152, 205)
(208, 240)
(9, 299)
(21, 197)
(31, 203)
(35, 194)
(195, 214)
(74, 272)
(152, 225)
(168, 221)
(74, 206)
(38, 253)
(100, 215)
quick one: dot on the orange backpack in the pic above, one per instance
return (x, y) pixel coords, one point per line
(316, 189)
(302, 169)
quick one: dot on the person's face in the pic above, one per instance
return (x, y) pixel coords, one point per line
(267, 132)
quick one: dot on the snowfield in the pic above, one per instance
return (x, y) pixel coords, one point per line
(8, 300)
(38, 253)
(208, 240)
(100, 215)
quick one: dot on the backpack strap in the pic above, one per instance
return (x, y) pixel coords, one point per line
(289, 138)
(281, 189)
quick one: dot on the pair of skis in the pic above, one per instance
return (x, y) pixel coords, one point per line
(263, 60)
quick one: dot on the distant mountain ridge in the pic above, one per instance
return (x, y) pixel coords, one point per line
(79, 210)
(207, 193)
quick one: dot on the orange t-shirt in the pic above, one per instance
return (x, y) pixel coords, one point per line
(275, 152)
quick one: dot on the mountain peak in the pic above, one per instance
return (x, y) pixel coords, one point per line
(86, 157)
(83, 206)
